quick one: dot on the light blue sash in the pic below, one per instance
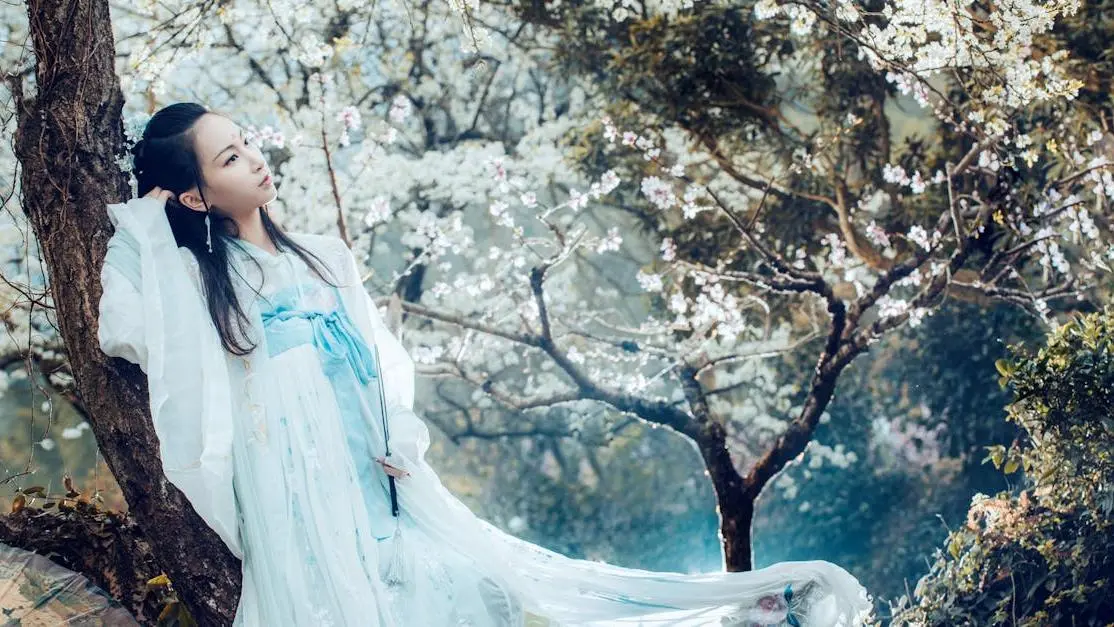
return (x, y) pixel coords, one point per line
(350, 365)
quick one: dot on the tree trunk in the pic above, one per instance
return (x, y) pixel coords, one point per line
(67, 140)
(736, 495)
(734, 504)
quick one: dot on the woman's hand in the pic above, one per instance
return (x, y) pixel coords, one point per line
(159, 193)
(393, 471)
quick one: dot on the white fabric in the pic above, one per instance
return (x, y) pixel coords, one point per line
(169, 333)
(216, 415)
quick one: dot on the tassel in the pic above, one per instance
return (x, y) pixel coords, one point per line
(395, 575)
(396, 568)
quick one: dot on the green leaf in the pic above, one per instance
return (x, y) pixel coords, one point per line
(953, 548)
(1003, 367)
(996, 454)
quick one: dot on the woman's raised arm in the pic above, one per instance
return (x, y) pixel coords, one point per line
(120, 312)
(120, 330)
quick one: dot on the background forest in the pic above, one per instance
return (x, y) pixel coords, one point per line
(690, 285)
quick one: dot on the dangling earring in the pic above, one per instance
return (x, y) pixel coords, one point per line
(208, 232)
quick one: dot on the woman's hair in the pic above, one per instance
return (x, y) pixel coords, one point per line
(165, 157)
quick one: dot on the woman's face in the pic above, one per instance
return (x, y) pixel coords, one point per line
(234, 170)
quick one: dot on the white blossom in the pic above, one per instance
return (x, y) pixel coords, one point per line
(350, 116)
(400, 109)
(659, 193)
(650, 282)
(766, 9)
(611, 242)
(838, 254)
(378, 212)
(73, 433)
(919, 236)
(668, 249)
(877, 234)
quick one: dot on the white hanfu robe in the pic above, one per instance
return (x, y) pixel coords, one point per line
(275, 451)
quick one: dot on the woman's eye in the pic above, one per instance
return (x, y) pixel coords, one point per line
(247, 141)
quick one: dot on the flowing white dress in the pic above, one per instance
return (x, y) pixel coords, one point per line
(275, 450)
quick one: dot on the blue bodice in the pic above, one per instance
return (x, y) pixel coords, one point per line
(349, 364)
(337, 339)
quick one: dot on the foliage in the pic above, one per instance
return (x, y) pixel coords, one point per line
(1043, 555)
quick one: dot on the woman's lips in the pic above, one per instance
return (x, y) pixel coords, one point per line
(266, 181)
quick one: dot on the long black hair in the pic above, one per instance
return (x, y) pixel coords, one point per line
(165, 157)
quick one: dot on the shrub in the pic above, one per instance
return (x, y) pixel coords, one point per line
(1042, 554)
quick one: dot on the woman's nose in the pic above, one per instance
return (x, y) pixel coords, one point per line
(256, 158)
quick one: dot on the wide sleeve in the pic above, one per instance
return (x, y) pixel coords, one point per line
(120, 318)
(158, 316)
(409, 435)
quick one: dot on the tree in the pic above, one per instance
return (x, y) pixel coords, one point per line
(825, 213)
(67, 140)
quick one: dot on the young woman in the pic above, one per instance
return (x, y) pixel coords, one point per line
(284, 411)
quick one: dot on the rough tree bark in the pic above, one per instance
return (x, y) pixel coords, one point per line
(68, 136)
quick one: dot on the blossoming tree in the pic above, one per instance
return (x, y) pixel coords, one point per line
(770, 231)
(818, 220)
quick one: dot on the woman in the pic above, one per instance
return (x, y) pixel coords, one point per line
(284, 411)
